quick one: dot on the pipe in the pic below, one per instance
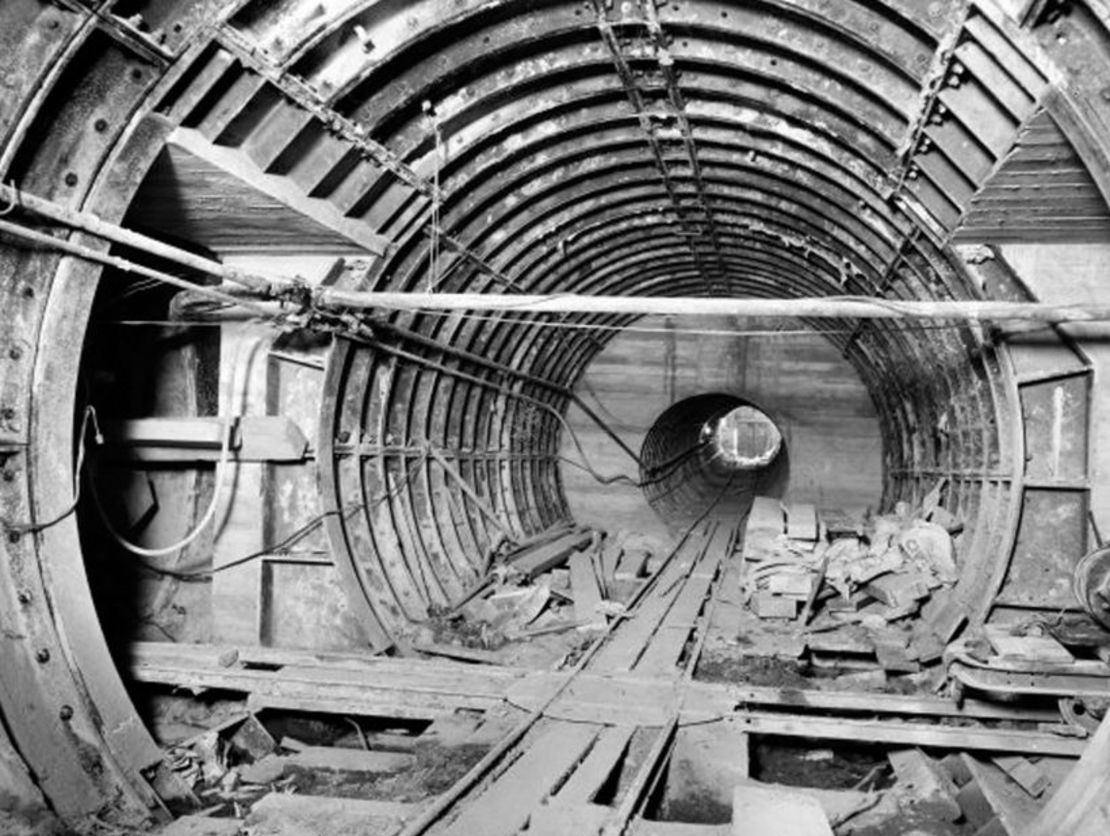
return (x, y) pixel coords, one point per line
(80, 250)
(112, 232)
(828, 307)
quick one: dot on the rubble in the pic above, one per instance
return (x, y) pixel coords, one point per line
(560, 583)
(803, 566)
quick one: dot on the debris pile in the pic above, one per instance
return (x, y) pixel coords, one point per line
(561, 580)
(826, 572)
(241, 770)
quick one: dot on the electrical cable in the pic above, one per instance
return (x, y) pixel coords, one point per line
(7, 210)
(220, 477)
(204, 575)
(88, 417)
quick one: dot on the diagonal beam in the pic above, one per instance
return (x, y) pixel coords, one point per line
(239, 165)
(305, 97)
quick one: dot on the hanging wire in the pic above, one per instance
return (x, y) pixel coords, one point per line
(7, 210)
(87, 419)
(220, 477)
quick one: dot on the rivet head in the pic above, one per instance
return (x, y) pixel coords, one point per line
(71, 179)
(136, 74)
(100, 125)
(15, 352)
(23, 596)
(66, 712)
(42, 656)
(28, 292)
(7, 413)
(13, 536)
(8, 476)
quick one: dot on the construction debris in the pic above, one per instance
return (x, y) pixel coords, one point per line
(803, 566)
(555, 581)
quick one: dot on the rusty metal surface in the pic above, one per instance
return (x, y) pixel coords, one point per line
(767, 148)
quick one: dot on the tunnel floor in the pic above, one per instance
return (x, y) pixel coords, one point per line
(673, 704)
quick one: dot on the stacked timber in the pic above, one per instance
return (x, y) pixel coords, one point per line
(782, 558)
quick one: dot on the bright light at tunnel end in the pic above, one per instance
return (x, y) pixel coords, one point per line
(744, 438)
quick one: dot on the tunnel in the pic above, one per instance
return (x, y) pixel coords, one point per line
(266, 384)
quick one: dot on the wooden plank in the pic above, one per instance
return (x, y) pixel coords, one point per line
(253, 438)
(1010, 804)
(766, 515)
(925, 782)
(598, 765)
(624, 647)
(839, 523)
(1031, 648)
(586, 591)
(557, 818)
(505, 806)
(238, 164)
(665, 648)
(1024, 773)
(541, 558)
(198, 656)
(767, 605)
(911, 734)
(801, 521)
(453, 651)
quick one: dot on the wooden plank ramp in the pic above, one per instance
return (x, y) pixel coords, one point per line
(666, 646)
(631, 637)
(505, 806)
(594, 771)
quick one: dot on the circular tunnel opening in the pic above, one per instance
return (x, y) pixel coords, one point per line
(711, 455)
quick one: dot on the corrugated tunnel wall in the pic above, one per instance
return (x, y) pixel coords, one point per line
(780, 148)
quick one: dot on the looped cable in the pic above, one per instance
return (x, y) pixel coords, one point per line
(7, 210)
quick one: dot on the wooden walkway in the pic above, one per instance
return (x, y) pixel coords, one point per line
(610, 723)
